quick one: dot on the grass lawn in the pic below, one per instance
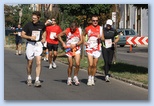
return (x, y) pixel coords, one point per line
(122, 70)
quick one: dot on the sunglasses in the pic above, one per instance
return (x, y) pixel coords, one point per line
(94, 20)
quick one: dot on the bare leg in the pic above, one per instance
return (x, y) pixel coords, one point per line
(90, 66)
(95, 61)
(55, 55)
(70, 61)
(77, 61)
(38, 66)
(29, 67)
(50, 57)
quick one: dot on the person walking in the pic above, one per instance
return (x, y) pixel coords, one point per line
(73, 50)
(108, 46)
(18, 39)
(35, 34)
(93, 47)
(45, 52)
(52, 41)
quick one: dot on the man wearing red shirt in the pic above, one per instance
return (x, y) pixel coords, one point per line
(52, 42)
(93, 47)
(73, 50)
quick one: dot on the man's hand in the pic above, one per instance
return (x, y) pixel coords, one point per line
(43, 40)
(33, 37)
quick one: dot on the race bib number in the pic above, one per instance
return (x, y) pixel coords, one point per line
(19, 33)
(37, 34)
(52, 35)
(108, 43)
(93, 42)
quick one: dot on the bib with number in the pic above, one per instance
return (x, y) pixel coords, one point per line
(52, 35)
(37, 34)
(19, 33)
(92, 42)
(108, 43)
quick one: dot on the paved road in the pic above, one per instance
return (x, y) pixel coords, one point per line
(54, 84)
(138, 57)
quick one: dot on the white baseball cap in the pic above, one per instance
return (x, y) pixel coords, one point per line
(109, 22)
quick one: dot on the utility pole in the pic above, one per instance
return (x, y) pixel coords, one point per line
(20, 15)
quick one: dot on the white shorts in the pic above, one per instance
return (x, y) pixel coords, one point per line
(33, 49)
(95, 54)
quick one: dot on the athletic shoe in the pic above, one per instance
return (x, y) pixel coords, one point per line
(76, 81)
(44, 59)
(19, 52)
(50, 66)
(107, 79)
(54, 65)
(92, 82)
(69, 81)
(37, 84)
(89, 82)
(29, 82)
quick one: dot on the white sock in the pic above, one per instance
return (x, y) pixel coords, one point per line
(69, 78)
(89, 77)
(92, 77)
(29, 77)
(75, 77)
(37, 79)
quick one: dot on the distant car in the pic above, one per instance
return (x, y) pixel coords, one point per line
(123, 34)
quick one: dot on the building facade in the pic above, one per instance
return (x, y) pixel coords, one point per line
(132, 17)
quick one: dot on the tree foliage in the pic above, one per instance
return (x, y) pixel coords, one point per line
(82, 12)
(85, 9)
(12, 14)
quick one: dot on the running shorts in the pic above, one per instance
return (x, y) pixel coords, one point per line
(33, 49)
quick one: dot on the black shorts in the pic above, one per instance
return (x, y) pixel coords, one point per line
(53, 47)
(18, 40)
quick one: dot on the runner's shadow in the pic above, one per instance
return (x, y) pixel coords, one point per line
(62, 81)
(46, 67)
(100, 77)
(84, 81)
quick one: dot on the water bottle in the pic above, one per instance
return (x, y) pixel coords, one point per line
(68, 49)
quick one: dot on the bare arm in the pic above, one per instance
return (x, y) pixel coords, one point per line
(43, 37)
(84, 37)
(23, 35)
(60, 38)
(102, 38)
(116, 39)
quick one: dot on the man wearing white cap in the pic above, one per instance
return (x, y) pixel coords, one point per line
(110, 39)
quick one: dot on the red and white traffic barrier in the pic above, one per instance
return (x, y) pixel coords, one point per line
(137, 40)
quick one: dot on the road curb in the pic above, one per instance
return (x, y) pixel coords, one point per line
(139, 84)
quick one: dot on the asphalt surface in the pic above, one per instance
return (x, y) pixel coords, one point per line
(54, 84)
(138, 56)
